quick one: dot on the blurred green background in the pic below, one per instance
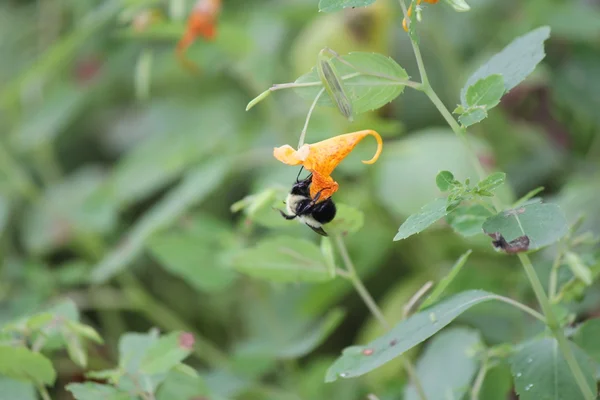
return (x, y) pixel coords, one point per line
(118, 169)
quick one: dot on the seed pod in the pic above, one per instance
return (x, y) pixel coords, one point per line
(333, 85)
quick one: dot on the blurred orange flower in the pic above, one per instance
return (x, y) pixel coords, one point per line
(321, 159)
(202, 22)
(409, 14)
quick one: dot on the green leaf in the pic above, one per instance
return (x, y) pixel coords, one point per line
(372, 81)
(192, 251)
(258, 99)
(283, 259)
(23, 364)
(445, 181)
(497, 383)
(11, 389)
(492, 182)
(75, 350)
(336, 5)
(472, 116)
(84, 331)
(182, 384)
(333, 84)
(468, 220)
(543, 224)
(327, 251)
(96, 391)
(168, 351)
(443, 284)
(578, 268)
(459, 5)
(4, 212)
(429, 214)
(347, 220)
(132, 349)
(486, 92)
(196, 185)
(541, 372)
(515, 62)
(358, 360)
(587, 336)
(448, 365)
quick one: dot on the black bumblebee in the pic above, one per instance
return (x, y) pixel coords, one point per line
(300, 205)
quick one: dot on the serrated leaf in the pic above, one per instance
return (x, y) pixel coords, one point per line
(427, 216)
(358, 360)
(541, 372)
(373, 81)
(96, 391)
(486, 92)
(448, 365)
(195, 186)
(491, 182)
(284, 259)
(515, 62)
(587, 336)
(472, 116)
(468, 220)
(336, 5)
(168, 351)
(347, 220)
(445, 180)
(23, 364)
(543, 224)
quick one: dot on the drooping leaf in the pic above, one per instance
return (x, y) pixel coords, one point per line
(541, 372)
(515, 62)
(587, 336)
(358, 360)
(543, 224)
(332, 82)
(195, 186)
(336, 5)
(468, 220)
(23, 364)
(448, 365)
(485, 93)
(429, 214)
(168, 351)
(373, 81)
(283, 259)
(96, 391)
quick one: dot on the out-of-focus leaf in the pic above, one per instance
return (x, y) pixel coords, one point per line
(11, 389)
(133, 348)
(429, 214)
(443, 284)
(182, 384)
(448, 365)
(336, 5)
(541, 372)
(468, 220)
(347, 220)
(358, 360)
(168, 351)
(515, 62)
(4, 212)
(543, 224)
(497, 383)
(75, 350)
(327, 251)
(375, 81)
(23, 364)
(445, 180)
(191, 251)
(472, 116)
(283, 259)
(491, 182)
(96, 391)
(195, 186)
(43, 125)
(587, 336)
(68, 210)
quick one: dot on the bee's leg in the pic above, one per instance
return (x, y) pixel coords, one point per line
(288, 217)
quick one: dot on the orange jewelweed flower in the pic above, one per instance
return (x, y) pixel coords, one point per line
(321, 159)
(202, 22)
(409, 13)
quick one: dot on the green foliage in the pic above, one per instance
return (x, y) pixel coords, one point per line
(541, 372)
(480, 97)
(23, 364)
(96, 391)
(429, 214)
(336, 5)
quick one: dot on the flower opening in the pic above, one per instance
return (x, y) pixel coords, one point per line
(323, 157)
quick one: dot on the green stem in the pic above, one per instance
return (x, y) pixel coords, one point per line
(554, 273)
(480, 378)
(362, 291)
(534, 280)
(310, 111)
(522, 307)
(44, 392)
(554, 326)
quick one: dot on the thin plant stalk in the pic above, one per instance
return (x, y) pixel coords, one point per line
(534, 280)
